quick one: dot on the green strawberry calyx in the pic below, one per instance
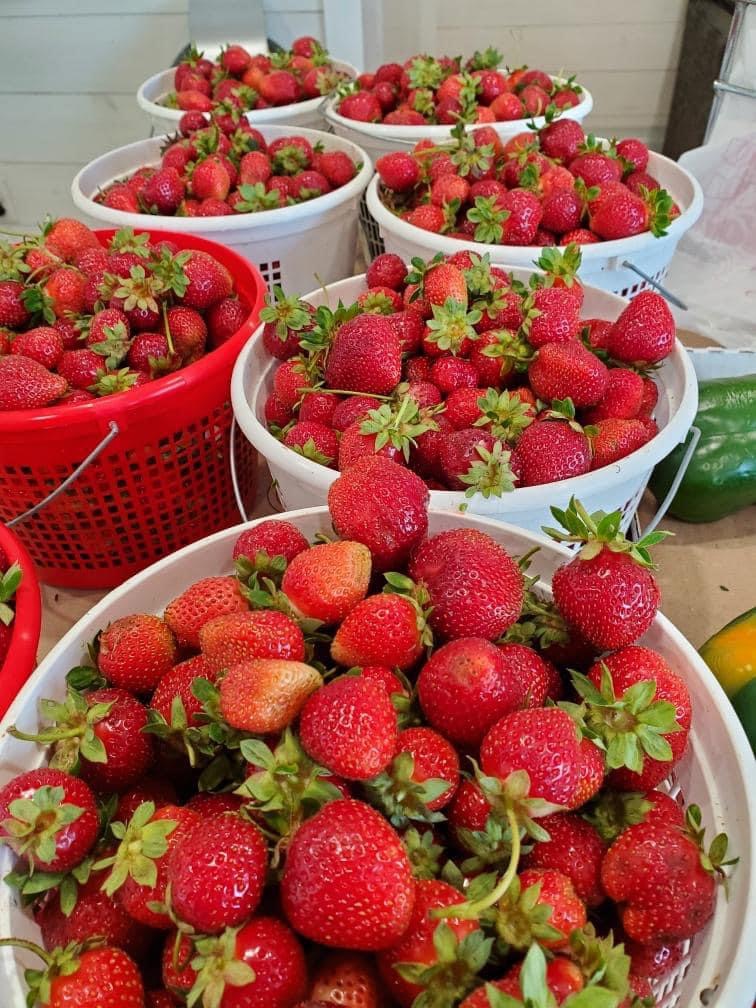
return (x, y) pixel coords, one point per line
(217, 967)
(142, 842)
(401, 798)
(521, 919)
(491, 475)
(561, 262)
(10, 581)
(489, 220)
(35, 822)
(398, 424)
(507, 414)
(454, 971)
(599, 531)
(417, 594)
(452, 324)
(71, 731)
(423, 852)
(714, 860)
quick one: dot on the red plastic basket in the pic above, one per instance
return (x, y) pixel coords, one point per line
(162, 482)
(22, 655)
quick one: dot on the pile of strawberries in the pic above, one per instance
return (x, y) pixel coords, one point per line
(424, 90)
(10, 579)
(226, 167)
(553, 186)
(239, 81)
(467, 376)
(79, 319)
(341, 777)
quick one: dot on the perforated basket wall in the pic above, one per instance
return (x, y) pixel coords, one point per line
(162, 482)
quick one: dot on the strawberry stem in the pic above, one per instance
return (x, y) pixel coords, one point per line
(53, 735)
(29, 946)
(168, 337)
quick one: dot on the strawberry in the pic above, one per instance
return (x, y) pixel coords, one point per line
(274, 537)
(553, 317)
(579, 236)
(462, 408)
(13, 311)
(216, 872)
(386, 629)
(260, 965)
(265, 695)
(544, 742)
(337, 167)
(449, 373)
(188, 333)
(380, 301)
(201, 602)
(561, 139)
(254, 167)
(362, 106)
(139, 865)
(163, 192)
(313, 441)
(466, 687)
(421, 779)
(638, 180)
(433, 959)
(428, 217)
(386, 270)
(135, 652)
(276, 411)
(48, 819)
(279, 88)
(596, 167)
(530, 670)
(327, 581)
(106, 324)
(365, 356)
(26, 384)
(645, 331)
(235, 59)
(649, 399)
(286, 320)
(614, 439)
(535, 981)
(468, 813)
(552, 449)
(475, 587)
(290, 381)
(540, 905)
(474, 460)
(562, 212)
(349, 727)
(347, 881)
(525, 213)
(568, 370)
(209, 281)
(79, 368)
(210, 803)
(624, 213)
(635, 152)
(623, 397)
(348, 979)
(67, 237)
(85, 977)
(43, 344)
(574, 848)
(238, 637)
(608, 591)
(383, 505)
(159, 792)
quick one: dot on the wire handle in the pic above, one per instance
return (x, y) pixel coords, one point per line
(113, 431)
(694, 434)
(234, 478)
(656, 285)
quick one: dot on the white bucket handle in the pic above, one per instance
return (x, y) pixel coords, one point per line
(113, 431)
(694, 434)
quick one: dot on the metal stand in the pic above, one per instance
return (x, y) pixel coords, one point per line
(724, 85)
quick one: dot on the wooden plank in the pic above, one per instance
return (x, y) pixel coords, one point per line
(545, 12)
(121, 51)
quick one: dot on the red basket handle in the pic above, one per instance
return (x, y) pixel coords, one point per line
(113, 431)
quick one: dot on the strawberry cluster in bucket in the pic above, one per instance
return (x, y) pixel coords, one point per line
(80, 320)
(11, 576)
(341, 774)
(226, 167)
(448, 90)
(471, 378)
(240, 81)
(554, 186)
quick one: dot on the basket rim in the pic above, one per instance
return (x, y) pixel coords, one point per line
(636, 463)
(21, 658)
(591, 254)
(233, 222)
(112, 407)
(264, 116)
(379, 131)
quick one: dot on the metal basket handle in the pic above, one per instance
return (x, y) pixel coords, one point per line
(694, 436)
(656, 285)
(113, 431)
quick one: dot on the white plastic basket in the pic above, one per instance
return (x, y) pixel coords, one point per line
(716, 771)
(303, 483)
(289, 245)
(609, 265)
(302, 114)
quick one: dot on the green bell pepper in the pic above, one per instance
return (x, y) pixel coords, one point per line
(721, 477)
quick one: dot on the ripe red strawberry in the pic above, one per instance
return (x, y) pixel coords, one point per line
(520, 917)
(105, 323)
(554, 316)
(445, 975)
(209, 803)
(159, 791)
(79, 367)
(290, 380)
(319, 406)
(562, 211)
(337, 167)
(345, 978)
(380, 301)
(447, 188)
(635, 152)
(326, 582)
(209, 281)
(580, 236)
(265, 695)
(365, 356)
(85, 977)
(135, 652)
(362, 106)
(654, 962)
(13, 311)
(574, 848)
(349, 727)
(468, 460)
(468, 813)
(428, 217)
(650, 398)
(26, 384)
(641, 179)
(645, 331)
(608, 591)
(386, 270)
(474, 585)
(545, 742)
(49, 819)
(275, 537)
(596, 168)
(561, 139)
(533, 672)
(201, 602)
(568, 371)
(347, 881)
(43, 344)
(384, 629)
(277, 412)
(623, 396)
(188, 333)
(383, 505)
(614, 439)
(279, 88)
(433, 759)
(449, 373)
(217, 872)
(163, 192)
(149, 353)
(654, 872)
(462, 409)
(559, 976)
(67, 237)
(550, 450)
(313, 441)
(238, 637)
(466, 687)
(351, 410)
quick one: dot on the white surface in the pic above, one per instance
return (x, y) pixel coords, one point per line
(716, 772)
(302, 483)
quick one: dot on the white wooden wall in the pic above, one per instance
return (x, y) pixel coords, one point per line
(67, 80)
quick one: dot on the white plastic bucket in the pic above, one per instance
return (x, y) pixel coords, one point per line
(304, 114)
(716, 772)
(302, 483)
(605, 264)
(289, 245)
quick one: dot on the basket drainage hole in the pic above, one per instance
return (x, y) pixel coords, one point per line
(708, 993)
